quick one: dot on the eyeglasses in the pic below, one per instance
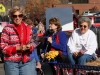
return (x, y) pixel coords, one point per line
(15, 16)
(83, 26)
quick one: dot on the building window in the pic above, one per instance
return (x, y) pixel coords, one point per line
(77, 12)
(79, 1)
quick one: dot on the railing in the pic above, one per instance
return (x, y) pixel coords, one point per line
(83, 67)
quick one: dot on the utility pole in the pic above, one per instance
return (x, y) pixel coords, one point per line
(23, 2)
(11, 3)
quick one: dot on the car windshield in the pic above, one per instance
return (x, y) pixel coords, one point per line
(97, 20)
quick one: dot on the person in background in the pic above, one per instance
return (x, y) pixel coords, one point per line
(75, 21)
(39, 25)
(35, 63)
(34, 29)
(82, 43)
(1, 53)
(40, 31)
(17, 45)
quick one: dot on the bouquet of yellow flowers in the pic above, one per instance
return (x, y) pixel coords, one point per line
(51, 55)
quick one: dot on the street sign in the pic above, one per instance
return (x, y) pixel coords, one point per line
(2, 8)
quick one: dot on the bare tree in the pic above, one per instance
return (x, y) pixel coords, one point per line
(39, 6)
(94, 9)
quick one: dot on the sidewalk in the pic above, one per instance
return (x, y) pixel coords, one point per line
(1, 68)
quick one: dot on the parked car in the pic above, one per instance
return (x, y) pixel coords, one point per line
(95, 20)
(88, 13)
(97, 14)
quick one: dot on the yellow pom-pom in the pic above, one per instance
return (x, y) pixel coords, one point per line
(51, 55)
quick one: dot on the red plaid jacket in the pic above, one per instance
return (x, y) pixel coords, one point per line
(10, 40)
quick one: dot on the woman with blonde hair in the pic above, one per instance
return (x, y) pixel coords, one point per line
(17, 45)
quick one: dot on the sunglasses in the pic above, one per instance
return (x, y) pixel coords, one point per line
(15, 16)
(83, 26)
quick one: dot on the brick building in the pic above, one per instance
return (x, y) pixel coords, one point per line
(2, 1)
(79, 8)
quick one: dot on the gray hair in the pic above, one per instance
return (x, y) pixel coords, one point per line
(84, 19)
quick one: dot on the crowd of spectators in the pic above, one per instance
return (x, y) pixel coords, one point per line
(26, 42)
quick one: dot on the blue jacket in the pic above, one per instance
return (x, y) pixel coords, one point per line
(34, 55)
(35, 30)
(62, 46)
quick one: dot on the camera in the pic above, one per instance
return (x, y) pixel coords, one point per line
(49, 32)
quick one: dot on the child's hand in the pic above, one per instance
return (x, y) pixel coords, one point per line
(42, 55)
(38, 65)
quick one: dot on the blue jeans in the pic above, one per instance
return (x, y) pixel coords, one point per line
(34, 67)
(18, 68)
(81, 60)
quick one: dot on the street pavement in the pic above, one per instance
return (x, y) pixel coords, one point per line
(1, 68)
